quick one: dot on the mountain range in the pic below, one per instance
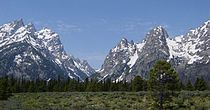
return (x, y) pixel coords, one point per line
(29, 53)
(189, 54)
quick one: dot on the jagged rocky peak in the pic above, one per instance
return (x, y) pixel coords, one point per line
(158, 33)
(47, 33)
(52, 42)
(117, 59)
(206, 27)
(124, 45)
(50, 39)
(85, 62)
(199, 32)
(26, 29)
(10, 28)
(207, 22)
(45, 50)
(31, 28)
(156, 40)
(15, 24)
(132, 42)
(19, 22)
(189, 54)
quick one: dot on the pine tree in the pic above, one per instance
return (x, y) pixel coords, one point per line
(31, 87)
(181, 86)
(137, 84)
(163, 79)
(189, 86)
(114, 86)
(4, 89)
(201, 84)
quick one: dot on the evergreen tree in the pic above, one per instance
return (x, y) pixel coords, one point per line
(181, 86)
(163, 79)
(114, 86)
(4, 88)
(201, 84)
(137, 84)
(92, 86)
(31, 87)
(107, 84)
(123, 86)
(189, 86)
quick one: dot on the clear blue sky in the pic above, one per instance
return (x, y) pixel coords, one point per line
(89, 28)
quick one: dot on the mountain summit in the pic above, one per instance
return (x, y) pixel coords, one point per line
(189, 54)
(30, 54)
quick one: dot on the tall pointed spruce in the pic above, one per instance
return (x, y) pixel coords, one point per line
(163, 79)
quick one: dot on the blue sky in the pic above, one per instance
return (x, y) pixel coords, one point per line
(90, 28)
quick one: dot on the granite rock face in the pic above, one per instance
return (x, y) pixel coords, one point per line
(189, 54)
(31, 54)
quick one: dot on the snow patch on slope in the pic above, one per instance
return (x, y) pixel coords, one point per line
(186, 50)
(133, 59)
(44, 41)
(135, 56)
(18, 59)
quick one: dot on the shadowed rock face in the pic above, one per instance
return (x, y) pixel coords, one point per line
(116, 61)
(28, 53)
(155, 48)
(189, 54)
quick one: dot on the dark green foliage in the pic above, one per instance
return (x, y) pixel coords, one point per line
(181, 86)
(186, 100)
(10, 85)
(200, 84)
(93, 86)
(57, 85)
(137, 84)
(4, 88)
(163, 76)
(189, 86)
(162, 82)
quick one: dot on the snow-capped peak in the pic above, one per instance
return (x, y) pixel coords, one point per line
(19, 33)
(189, 54)
(47, 43)
(158, 28)
(124, 44)
(123, 39)
(191, 45)
(207, 22)
(157, 33)
(17, 23)
(50, 40)
(31, 27)
(10, 28)
(46, 33)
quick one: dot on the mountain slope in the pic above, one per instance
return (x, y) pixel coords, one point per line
(155, 48)
(189, 54)
(33, 54)
(192, 53)
(116, 62)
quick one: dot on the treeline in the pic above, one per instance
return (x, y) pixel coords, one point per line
(199, 85)
(13, 85)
